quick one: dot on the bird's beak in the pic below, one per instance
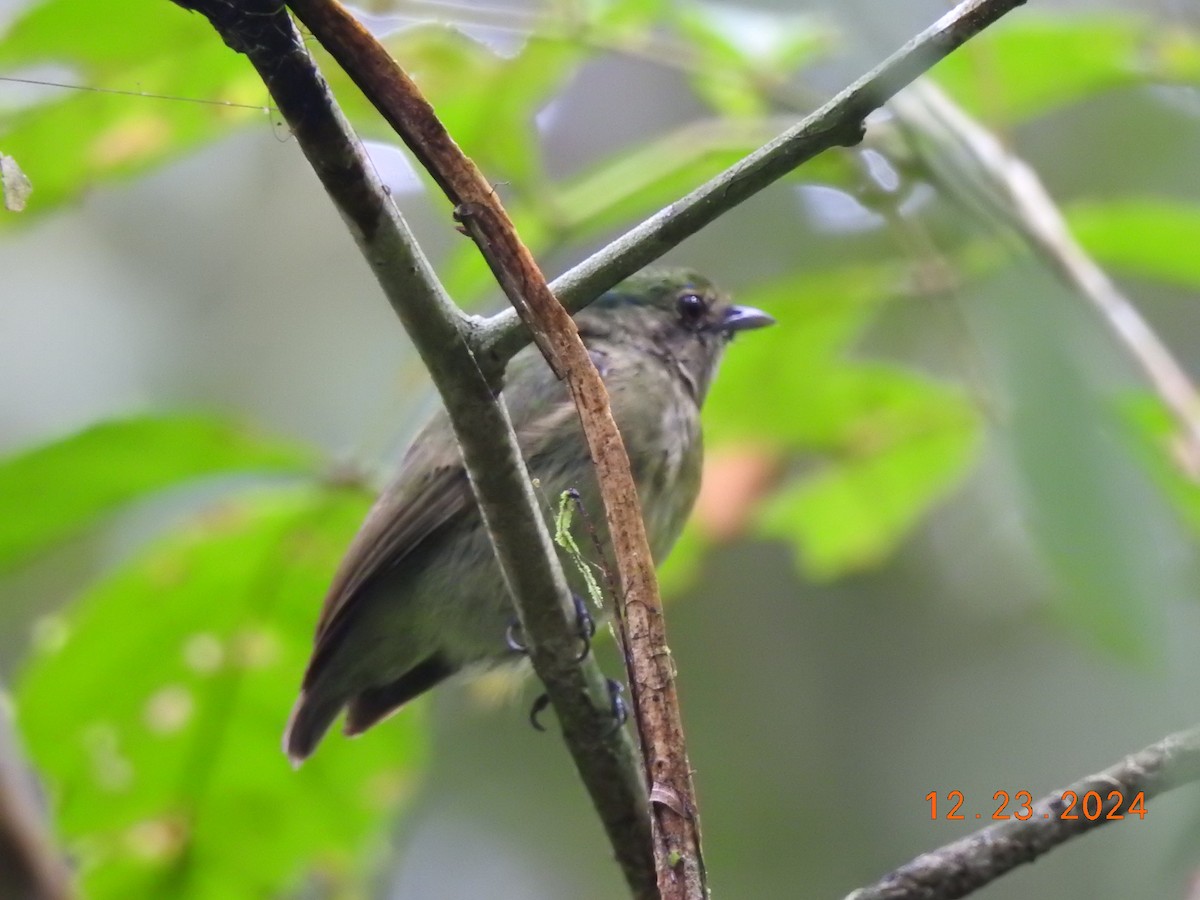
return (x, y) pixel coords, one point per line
(744, 318)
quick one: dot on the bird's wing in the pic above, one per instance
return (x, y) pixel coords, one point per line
(430, 489)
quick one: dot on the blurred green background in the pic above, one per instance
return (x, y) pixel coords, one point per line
(948, 540)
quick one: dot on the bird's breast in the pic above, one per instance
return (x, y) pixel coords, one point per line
(662, 435)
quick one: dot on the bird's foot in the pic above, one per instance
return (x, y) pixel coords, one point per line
(585, 627)
(539, 706)
(620, 712)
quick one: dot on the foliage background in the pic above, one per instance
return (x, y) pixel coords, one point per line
(974, 567)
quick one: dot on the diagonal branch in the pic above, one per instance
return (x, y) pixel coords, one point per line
(262, 30)
(838, 123)
(465, 356)
(674, 819)
(963, 866)
(980, 172)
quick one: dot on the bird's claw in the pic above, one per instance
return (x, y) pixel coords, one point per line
(539, 705)
(585, 627)
(620, 712)
(511, 640)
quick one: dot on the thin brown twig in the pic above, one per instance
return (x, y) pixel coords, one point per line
(673, 809)
(839, 122)
(263, 31)
(959, 868)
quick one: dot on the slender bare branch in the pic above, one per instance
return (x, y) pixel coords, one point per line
(675, 824)
(978, 170)
(838, 123)
(957, 869)
(263, 31)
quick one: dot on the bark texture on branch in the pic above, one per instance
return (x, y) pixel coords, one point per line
(442, 335)
(466, 357)
(674, 824)
(966, 865)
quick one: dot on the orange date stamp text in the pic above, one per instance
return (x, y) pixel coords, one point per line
(1091, 806)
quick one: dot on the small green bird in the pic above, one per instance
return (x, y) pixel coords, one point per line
(419, 595)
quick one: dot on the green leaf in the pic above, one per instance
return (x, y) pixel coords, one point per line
(618, 21)
(679, 569)
(1031, 64)
(1166, 456)
(52, 492)
(857, 508)
(170, 52)
(639, 180)
(155, 709)
(99, 40)
(740, 54)
(1097, 526)
(721, 72)
(1143, 237)
(819, 315)
(486, 101)
(890, 443)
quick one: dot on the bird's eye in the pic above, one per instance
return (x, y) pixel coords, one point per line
(692, 307)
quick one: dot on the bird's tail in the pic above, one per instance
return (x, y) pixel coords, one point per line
(375, 704)
(316, 709)
(310, 719)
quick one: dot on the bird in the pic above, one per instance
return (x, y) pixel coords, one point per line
(419, 596)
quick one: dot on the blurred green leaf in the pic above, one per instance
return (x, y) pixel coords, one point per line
(890, 442)
(621, 20)
(1097, 527)
(818, 315)
(1030, 64)
(721, 70)
(90, 36)
(487, 101)
(739, 54)
(155, 710)
(52, 492)
(1146, 237)
(167, 51)
(1166, 457)
(680, 567)
(640, 180)
(856, 508)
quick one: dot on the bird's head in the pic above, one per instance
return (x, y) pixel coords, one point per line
(677, 315)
